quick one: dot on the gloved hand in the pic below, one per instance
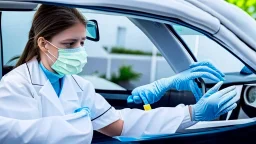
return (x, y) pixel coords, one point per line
(83, 109)
(214, 103)
(185, 80)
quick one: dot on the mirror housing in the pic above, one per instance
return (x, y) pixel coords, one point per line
(92, 31)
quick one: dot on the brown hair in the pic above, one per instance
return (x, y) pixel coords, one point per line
(48, 21)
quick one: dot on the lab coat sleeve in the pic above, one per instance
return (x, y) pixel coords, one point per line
(102, 113)
(164, 120)
(48, 130)
(186, 122)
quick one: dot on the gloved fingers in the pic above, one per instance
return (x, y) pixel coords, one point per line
(137, 99)
(209, 70)
(227, 110)
(229, 103)
(145, 100)
(214, 89)
(136, 91)
(226, 90)
(226, 98)
(130, 99)
(207, 75)
(209, 64)
(134, 98)
(195, 90)
(143, 96)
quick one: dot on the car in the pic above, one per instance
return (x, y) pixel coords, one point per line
(165, 38)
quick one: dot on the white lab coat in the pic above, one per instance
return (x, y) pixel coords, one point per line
(31, 112)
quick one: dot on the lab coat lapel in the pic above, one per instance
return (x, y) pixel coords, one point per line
(70, 95)
(50, 103)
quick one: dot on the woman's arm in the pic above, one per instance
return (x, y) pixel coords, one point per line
(114, 129)
(135, 122)
(168, 120)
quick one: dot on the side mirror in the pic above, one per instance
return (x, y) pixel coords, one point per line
(92, 31)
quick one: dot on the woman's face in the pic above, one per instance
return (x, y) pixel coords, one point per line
(72, 37)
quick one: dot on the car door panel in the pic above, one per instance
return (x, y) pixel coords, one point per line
(171, 99)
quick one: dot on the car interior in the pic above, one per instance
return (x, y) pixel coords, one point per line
(171, 39)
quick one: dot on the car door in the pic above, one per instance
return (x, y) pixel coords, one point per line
(118, 97)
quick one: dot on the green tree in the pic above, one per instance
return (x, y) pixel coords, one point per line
(247, 5)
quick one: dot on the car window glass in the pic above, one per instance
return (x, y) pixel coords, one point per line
(204, 48)
(123, 59)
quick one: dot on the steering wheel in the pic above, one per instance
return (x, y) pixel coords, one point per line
(202, 83)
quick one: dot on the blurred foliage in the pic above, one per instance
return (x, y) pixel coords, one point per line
(122, 50)
(126, 74)
(247, 5)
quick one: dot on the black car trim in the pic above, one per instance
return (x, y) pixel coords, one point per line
(182, 41)
(113, 91)
(1, 45)
(15, 9)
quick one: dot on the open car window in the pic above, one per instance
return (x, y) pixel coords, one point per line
(204, 48)
(124, 57)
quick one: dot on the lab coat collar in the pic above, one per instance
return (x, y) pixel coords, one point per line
(69, 92)
(37, 76)
(44, 88)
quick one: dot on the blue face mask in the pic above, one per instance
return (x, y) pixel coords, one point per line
(70, 60)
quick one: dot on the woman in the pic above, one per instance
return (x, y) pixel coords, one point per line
(43, 101)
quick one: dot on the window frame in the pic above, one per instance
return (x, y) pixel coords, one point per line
(1, 47)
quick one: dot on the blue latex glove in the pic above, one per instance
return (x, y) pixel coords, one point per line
(214, 103)
(185, 80)
(83, 109)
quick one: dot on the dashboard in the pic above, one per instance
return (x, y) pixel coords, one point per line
(248, 100)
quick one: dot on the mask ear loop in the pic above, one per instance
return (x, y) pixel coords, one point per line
(52, 44)
(50, 52)
(49, 56)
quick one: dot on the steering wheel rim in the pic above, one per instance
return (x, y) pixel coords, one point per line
(203, 87)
